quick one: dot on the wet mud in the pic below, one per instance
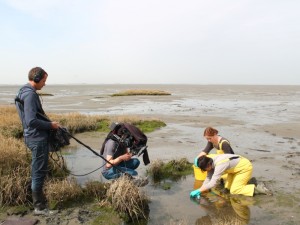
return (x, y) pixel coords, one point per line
(261, 122)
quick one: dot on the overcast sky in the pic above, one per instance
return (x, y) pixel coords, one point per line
(151, 41)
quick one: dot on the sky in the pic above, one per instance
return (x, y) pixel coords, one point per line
(151, 41)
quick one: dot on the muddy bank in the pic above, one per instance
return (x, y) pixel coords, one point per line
(279, 170)
(262, 124)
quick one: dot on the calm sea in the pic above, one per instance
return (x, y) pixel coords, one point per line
(186, 100)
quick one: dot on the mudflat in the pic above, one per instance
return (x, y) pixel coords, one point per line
(261, 122)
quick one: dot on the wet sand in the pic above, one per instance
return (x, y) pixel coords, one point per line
(261, 122)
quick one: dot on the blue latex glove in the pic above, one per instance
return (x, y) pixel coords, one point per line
(195, 193)
(196, 162)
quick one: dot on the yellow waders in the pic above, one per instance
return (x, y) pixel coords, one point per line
(200, 175)
(238, 178)
(240, 206)
(220, 151)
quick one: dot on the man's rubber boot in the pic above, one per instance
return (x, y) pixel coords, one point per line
(40, 205)
(44, 212)
(39, 200)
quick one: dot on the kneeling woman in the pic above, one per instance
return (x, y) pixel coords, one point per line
(238, 168)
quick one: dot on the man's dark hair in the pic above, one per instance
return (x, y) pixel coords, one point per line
(36, 72)
(204, 162)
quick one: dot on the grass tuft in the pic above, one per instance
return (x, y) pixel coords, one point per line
(60, 192)
(96, 189)
(140, 92)
(174, 169)
(14, 171)
(10, 125)
(128, 199)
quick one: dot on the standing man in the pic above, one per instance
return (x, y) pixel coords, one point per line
(36, 134)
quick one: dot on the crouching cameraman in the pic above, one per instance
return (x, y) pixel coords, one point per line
(118, 156)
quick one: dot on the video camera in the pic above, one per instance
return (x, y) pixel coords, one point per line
(127, 139)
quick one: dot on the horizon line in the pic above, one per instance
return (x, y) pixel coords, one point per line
(217, 84)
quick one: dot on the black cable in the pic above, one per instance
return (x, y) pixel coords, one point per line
(64, 168)
(81, 175)
(88, 147)
(96, 153)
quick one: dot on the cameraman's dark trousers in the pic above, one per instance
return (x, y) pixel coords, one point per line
(127, 166)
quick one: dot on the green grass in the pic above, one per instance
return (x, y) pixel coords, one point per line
(145, 126)
(148, 126)
(172, 170)
(103, 125)
(107, 216)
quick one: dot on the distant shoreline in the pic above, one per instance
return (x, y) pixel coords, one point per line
(83, 84)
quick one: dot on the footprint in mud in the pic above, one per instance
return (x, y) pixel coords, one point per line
(295, 171)
(289, 138)
(292, 154)
(266, 157)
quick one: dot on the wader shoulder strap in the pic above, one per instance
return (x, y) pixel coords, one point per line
(221, 144)
(226, 160)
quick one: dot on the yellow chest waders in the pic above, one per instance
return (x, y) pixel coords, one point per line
(226, 160)
(201, 175)
(238, 176)
(220, 150)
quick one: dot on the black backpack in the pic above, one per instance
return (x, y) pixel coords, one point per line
(130, 137)
(58, 138)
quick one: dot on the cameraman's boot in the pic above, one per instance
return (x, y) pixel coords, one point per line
(40, 205)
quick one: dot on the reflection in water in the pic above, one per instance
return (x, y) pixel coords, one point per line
(222, 208)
